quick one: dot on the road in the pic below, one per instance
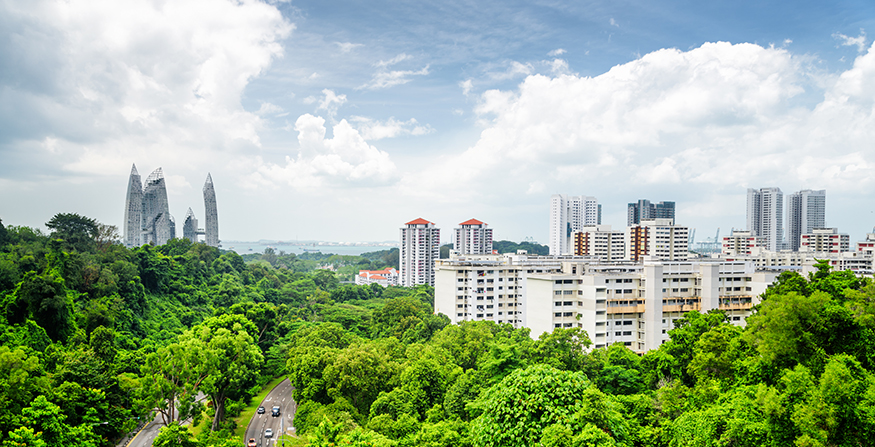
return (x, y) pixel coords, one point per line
(147, 435)
(280, 396)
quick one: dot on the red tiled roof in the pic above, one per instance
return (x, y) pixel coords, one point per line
(419, 221)
(378, 277)
(471, 222)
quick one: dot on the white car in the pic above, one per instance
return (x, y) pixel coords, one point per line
(268, 433)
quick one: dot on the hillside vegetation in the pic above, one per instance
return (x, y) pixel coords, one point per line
(95, 335)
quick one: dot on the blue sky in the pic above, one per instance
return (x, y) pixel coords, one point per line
(343, 120)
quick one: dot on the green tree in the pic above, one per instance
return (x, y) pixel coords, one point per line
(175, 435)
(78, 231)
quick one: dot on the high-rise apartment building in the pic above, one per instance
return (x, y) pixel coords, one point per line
(211, 215)
(657, 239)
(806, 210)
(644, 209)
(599, 241)
(567, 215)
(473, 237)
(765, 216)
(420, 248)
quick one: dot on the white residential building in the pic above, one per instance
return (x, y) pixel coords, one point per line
(632, 303)
(806, 210)
(420, 248)
(599, 241)
(473, 237)
(657, 238)
(765, 215)
(386, 277)
(741, 243)
(825, 240)
(868, 245)
(569, 214)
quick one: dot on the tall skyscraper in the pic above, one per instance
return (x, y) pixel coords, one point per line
(473, 238)
(765, 216)
(420, 248)
(189, 227)
(133, 209)
(644, 209)
(211, 215)
(569, 214)
(158, 225)
(806, 210)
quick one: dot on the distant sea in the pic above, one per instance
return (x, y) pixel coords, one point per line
(243, 247)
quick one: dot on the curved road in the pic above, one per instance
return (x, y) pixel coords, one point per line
(280, 396)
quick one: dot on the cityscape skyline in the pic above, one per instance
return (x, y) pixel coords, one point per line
(311, 113)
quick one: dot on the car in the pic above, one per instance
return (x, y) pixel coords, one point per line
(251, 443)
(260, 410)
(275, 411)
(268, 433)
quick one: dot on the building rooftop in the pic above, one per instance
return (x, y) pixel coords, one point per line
(419, 221)
(471, 222)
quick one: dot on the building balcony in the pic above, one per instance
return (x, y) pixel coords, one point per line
(635, 308)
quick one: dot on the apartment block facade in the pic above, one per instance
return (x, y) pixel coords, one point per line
(473, 237)
(599, 241)
(644, 209)
(567, 215)
(741, 243)
(632, 303)
(657, 238)
(825, 240)
(420, 248)
(806, 210)
(765, 215)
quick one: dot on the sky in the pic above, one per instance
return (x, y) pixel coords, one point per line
(343, 120)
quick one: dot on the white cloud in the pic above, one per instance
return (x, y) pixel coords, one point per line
(513, 70)
(559, 67)
(331, 102)
(346, 47)
(859, 41)
(556, 52)
(116, 81)
(717, 119)
(466, 86)
(613, 22)
(399, 58)
(344, 160)
(385, 79)
(371, 129)
(268, 109)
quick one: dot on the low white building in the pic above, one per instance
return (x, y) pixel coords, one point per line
(825, 240)
(631, 303)
(386, 277)
(657, 238)
(741, 243)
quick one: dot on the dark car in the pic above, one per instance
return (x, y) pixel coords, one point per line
(260, 410)
(275, 411)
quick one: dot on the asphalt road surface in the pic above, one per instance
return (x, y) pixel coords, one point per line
(148, 434)
(280, 396)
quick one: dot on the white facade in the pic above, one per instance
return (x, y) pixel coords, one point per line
(657, 239)
(420, 248)
(386, 277)
(569, 214)
(599, 241)
(741, 243)
(806, 210)
(825, 240)
(765, 215)
(635, 304)
(473, 237)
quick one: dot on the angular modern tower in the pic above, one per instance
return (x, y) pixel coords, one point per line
(133, 210)
(189, 227)
(157, 224)
(211, 215)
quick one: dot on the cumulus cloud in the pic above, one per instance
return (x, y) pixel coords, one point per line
(556, 52)
(723, 116)
(161, 80)
(371, 129)
(466, 86)
(859, 41)
(514, 69)
(344, 160)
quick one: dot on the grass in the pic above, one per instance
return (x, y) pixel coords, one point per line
(248, 412)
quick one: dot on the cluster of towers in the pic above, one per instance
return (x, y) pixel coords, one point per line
(147, 213)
